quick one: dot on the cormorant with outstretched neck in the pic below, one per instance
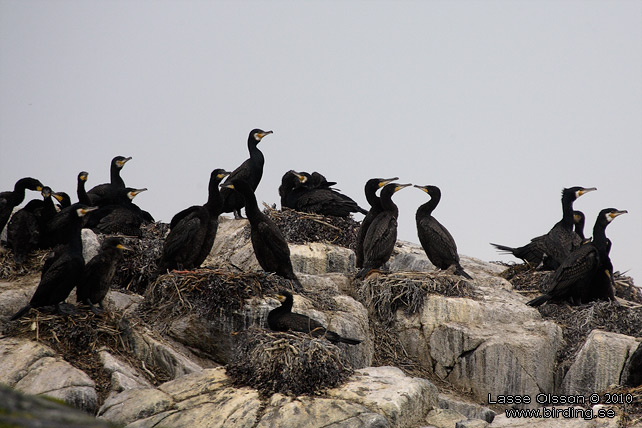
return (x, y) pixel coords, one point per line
(249, 171)
(83, 197)
(193, 230)
(551, 250)
(11, 199)
(283, 319)
(116, 182)
(382, 234)
(62, 272)
(99, 273)
(435, 239)
(370, 189)
(322, 200)
(583, 276)
(270, 248)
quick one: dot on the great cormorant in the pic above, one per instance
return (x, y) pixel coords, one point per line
(11, 199)
(116, 182)
(193, 230)
(270, 248)
(551, 250)
(249, 171)
(370, 189)
(382, 234)
(583, 276)
(63, 199)
(579, 221)
(283, 319)
(23, 231)
(83, 198)
(121, 217)
(435, 239)
(99, 273)
(323, 200)
(62, 272)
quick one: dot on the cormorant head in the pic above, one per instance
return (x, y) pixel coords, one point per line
(258, 134)
(132, 193)
(82, 210)
(120, 161)
(46, 192)
(30, 183)
(114, 242)
(284, 295)
(83, 176)
(301, 176)
(576, 192)
(430, 189)
(220, 174)
(609, 214)
(63, 198)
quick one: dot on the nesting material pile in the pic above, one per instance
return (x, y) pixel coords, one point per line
(9, 271)
(302, 228)
(288, 363)
(524, 277)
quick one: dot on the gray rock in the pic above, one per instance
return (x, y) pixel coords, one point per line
(123, 376)
(599, 363)
(471, 423)
(317, 258)
(444, 418)
(470, 410)
(90, 244)
(134, 404)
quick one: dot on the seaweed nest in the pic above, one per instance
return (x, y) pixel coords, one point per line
(630, 412)
(524, 277)
(10, 271)
(207, 292)
(78, 338)
(302, 228)
(139, 267)
(288, 363)
(578, 322)
(384, 294)
(626, 289)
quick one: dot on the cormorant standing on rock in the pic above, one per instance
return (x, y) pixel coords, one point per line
(99, 273)
(324, 201)
(586, 273)
(249, 171)
(551, 250)
(116, 181)
(437, 242)
(382, 234)
(283, 319)
(370, 189)
(122, 217)
(270, 248)
(11, 199)
(62, 272)
(193, 230)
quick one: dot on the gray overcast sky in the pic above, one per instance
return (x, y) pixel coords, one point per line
(499, 103)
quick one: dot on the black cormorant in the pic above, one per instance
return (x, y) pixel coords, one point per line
(99, 273)
(63, 199)
(270, 248)
(62, 272)
(583, 276)
(249, 171)
(289, 181)
(382, 234)
(193, 230)
(579, 221)
(23, 231)
(116, 181)
(436, 240)
(121, 217)
(11, 199)
(320, 200)
(370, 189)
(550, 250)
(283, 319)
(83, 198)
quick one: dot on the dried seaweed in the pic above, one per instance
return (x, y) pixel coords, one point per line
(288, 363)
(302, 228)
(9, 271)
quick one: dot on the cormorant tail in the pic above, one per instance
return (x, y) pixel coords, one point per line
(461, 272)
(503, 248)
(20, 313)
(335, 337)
(539, 300)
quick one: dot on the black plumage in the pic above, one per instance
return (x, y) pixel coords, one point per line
(63, 199)
(551, 250)
(83, 197)
(283, 319)
(11, 199)
(587, 272)
(291, 179)
(120, 217)
(116, 181)
(370, 190)
(61, 272)
(99, 273)
(23, 231)
(579, 220)
(270, 247)
(250, 171)
(193, 230)
(320, 200)
(436, 240)
(381, 236)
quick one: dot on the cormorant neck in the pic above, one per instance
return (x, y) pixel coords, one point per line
(214, 198)
(372, 198)
(251, 206)
(75, 241)
(256, 156)
(286, 306)
(83, 198)
(567, 211)
(387, 204)
(18, 193)
(116, 180)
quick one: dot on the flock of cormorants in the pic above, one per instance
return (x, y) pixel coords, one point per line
(582, 269)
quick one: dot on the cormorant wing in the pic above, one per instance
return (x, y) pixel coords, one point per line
(576, 269)
(440, 240)
(182, 214)
(381, 236)
(182, 234)
(274, 241)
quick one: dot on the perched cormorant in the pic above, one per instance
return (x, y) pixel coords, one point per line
(83, 198)
(62, 272)
(193, 230)
(270, 248)
(99, 273)
(551, 250)
(584, 275)
(370, 189)
(382, 234)
(249, 171)
(116, 182)
(63, 199)
(11, 199)
(579, 220)
(320, 200)
(23, 231)
(288, 183)
(283, 319)
(437, 242)
(123, 216)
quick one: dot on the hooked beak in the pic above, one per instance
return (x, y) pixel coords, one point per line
(387, 181)
(583, 191)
